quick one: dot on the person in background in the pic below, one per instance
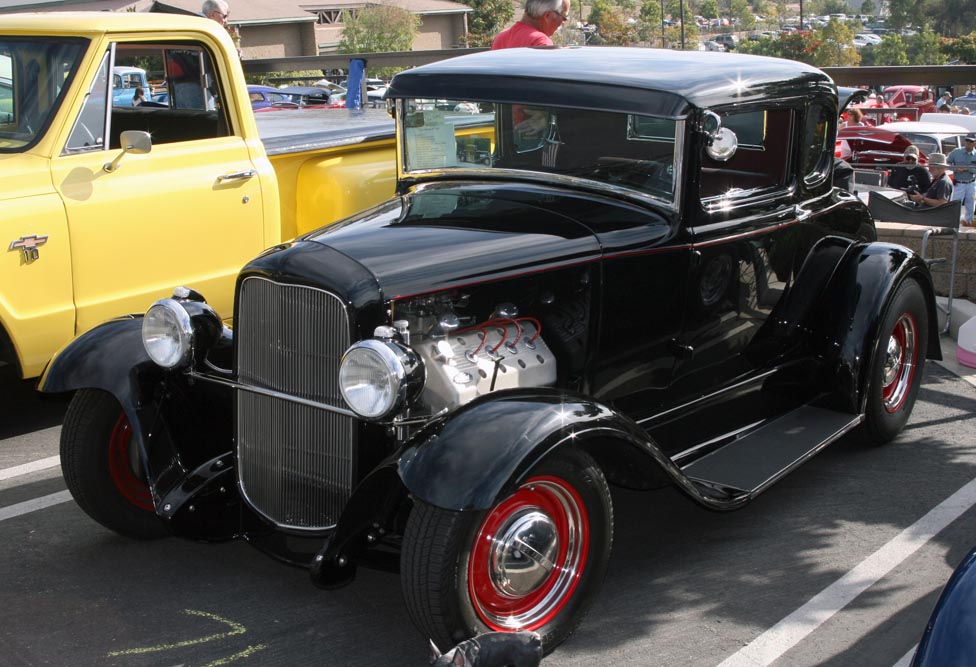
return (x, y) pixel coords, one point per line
(963, 162)
(855, 118)
(539, 22)
(218, 10)
(940, 192)
(139, 97)
(945, 108)
(910, 176)
(943, 101)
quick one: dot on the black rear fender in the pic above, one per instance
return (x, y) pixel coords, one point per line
(846, 321)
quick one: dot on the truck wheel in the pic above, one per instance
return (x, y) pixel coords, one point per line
(102, 469)
(896, 371)
(534, 561)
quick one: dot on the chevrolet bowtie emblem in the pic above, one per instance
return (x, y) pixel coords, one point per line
(29, 246)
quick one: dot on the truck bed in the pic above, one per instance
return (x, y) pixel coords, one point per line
(300, 130)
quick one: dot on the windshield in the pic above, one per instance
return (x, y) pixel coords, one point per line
(616, 150)
(34, 73)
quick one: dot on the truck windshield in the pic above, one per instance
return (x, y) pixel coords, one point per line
(34, 74)
(618, 150)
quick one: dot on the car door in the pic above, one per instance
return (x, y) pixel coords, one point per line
(745, 245)
(188, 212)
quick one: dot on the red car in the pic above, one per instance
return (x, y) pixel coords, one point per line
(916, 97)
(868, 146)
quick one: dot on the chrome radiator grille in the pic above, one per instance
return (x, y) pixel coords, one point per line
(295, 461)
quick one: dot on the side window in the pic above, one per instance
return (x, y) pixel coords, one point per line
(181, 90)
(949, 144)
(88, 134)
(761, 161)
(817, 151)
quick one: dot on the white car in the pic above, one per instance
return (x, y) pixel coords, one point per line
(929, 137)
(868, 37)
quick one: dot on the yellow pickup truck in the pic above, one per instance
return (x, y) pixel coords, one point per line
(106, 207)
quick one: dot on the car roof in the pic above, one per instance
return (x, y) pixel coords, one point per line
(258, 88)
(927, 128)
(637, 80)
(304, 90)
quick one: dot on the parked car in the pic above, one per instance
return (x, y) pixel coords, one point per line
(966, 102)
(125, 81)
(728, 40)
(307, 97)
(949, 638)
(622, 270)
(263, 97)
(918, 97)
(930, 137)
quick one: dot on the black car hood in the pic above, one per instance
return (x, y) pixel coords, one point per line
(440, 237)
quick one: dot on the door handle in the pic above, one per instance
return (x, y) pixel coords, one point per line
(237, 176)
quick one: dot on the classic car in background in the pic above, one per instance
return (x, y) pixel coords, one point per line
(885, 144)
(628, 267)
(916, 97)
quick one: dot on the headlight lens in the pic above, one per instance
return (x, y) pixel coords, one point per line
(167, 334)
(376, 377)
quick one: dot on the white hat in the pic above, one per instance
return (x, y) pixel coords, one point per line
(937, 160)
(912, 151)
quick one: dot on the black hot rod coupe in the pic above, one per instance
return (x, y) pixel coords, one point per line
(602, 266)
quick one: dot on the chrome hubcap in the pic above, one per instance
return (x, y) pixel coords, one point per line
(899, 363)
(523, 555)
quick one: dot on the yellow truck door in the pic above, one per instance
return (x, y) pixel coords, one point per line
(188, 212)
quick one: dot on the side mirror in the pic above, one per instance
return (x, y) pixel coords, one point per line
(133, 141)
(721, 142)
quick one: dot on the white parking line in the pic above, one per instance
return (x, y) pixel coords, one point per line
(29, 506)
(33, 466)
(786, 634)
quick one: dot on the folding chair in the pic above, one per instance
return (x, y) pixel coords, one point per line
(940, 220)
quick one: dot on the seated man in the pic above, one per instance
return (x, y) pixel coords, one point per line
(910, 175)
(940, 192)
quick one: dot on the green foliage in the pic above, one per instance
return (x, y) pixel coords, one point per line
(903, 13)
(891, 51)
(924, 48)
(836, 46)
(833, 7)
(487, 20)
(743, 12)
(963, 49)
(672, 37)
(868, 8)
(377, 29)
(649, 22)
(611, 26)
(951, 18)
(708, 9)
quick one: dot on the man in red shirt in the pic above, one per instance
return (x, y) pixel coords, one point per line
(542, 18)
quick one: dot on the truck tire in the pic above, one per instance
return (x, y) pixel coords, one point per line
(467, 573)
(896, 371)
(102, 471)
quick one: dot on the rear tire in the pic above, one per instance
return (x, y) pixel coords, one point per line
(896, 371)
(102, 468)
(467, 573)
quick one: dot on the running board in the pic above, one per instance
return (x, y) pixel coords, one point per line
(749, 465)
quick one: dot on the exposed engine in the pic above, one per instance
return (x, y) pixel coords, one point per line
(466, 357)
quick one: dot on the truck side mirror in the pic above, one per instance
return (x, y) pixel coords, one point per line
(133, 141)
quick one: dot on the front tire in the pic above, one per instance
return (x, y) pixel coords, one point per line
(102, 469)
(534, 561)
(896, 372)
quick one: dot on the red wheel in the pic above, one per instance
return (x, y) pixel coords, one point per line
(896, 370)
(533, 561)
(102, 468)
(900, 360)
(528, 555)
(123, 461)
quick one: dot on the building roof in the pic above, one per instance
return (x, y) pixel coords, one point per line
(242, 12)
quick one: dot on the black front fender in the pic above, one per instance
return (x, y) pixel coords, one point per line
(484, 450)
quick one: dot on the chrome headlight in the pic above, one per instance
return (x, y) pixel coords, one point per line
(376, 377)
(167, 333)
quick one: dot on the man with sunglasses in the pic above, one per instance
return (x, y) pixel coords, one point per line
(218, 10)
(542, 18)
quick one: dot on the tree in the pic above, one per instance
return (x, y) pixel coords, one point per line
(610, 25)
(891, 51)
(903, 13)
(376, 29)
(708, 9)
(924, 48)
(867, 8)
(743, 12)
(951, 18)
(487, 20)
(649, 23)
(963, 49)
(836, 46)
